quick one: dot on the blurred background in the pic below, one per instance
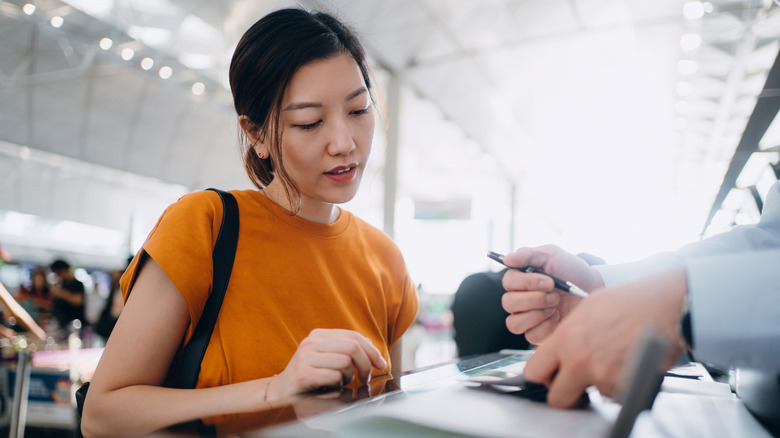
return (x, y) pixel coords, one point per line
(603, 126)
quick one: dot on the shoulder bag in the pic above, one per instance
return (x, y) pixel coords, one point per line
(224, 253)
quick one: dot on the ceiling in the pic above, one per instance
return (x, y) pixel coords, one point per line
(600, 116)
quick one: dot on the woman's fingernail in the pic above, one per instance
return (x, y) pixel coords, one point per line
(550, 299)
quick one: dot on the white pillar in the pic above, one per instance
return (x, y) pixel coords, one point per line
(393, 105)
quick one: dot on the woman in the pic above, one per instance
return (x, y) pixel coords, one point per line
(316, 298)
(36, 299)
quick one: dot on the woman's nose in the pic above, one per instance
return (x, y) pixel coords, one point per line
(341, 141)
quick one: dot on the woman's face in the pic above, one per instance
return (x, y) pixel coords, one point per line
(39, 280)
(327, 125)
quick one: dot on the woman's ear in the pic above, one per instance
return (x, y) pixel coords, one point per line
(253, 132)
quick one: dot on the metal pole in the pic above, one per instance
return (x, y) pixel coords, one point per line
(21, 391)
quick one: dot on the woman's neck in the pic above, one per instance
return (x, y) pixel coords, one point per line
(309, 209)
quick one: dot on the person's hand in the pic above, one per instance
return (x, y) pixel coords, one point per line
(534, 305)
(327, 358)
(595, 342)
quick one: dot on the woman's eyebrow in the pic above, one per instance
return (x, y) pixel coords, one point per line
(356, 93)
(301, 105)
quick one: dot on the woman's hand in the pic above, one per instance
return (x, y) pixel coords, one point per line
(326, 358)
(534, 305)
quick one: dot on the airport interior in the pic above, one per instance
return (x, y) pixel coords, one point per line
(613, 129)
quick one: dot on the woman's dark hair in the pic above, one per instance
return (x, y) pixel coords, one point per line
(265, 60)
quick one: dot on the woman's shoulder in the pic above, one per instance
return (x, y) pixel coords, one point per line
(369, 230)
(376, 239)
(202, 204)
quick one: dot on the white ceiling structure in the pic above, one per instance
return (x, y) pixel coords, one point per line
(598, 120)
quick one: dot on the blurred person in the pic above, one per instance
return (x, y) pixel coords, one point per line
(317, 297)
(478, 318)
(716, 297)
(36, 299)
(67, 296)
(113, 306)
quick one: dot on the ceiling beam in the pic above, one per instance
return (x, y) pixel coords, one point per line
(767, 107)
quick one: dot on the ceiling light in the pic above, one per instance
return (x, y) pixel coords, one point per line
(708, 8)
(198, 88)
(684, 88)
(165, 72)
(690, 41)
(693, 10)
(57, 21)
(147, 63)
(106, 43)
(687, 67)
(127, 53)
(28, 9)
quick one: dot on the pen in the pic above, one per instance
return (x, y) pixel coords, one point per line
(566, 286)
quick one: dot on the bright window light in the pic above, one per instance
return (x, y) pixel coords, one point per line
(127, 53)
(198, 88)
(28, 9)
(147, 63)
(165, 72)
(693, 10)
(57, 21)
(197, 61)
(684, 88)
(687, 67)
(690, 41)
(151, 36)
(106, 43)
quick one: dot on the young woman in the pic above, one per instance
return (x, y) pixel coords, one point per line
(316, 298)
(36, 299)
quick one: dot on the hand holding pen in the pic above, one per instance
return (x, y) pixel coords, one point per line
(563, 285)
(535, 301)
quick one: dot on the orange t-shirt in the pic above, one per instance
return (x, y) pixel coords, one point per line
(289, 277)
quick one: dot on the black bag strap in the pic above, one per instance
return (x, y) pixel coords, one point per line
(222, 257)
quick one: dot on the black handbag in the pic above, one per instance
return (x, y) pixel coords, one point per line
(224, 253)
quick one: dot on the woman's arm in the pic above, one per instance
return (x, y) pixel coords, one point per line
(125, 395)
(396, 358)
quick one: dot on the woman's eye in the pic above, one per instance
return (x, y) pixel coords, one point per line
(360, 112)
(309, 126)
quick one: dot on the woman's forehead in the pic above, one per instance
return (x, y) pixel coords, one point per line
(336, 77)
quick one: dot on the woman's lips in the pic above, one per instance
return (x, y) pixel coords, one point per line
(342, 174)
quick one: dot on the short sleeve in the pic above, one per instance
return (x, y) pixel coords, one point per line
(403, 310)
(182, 243)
